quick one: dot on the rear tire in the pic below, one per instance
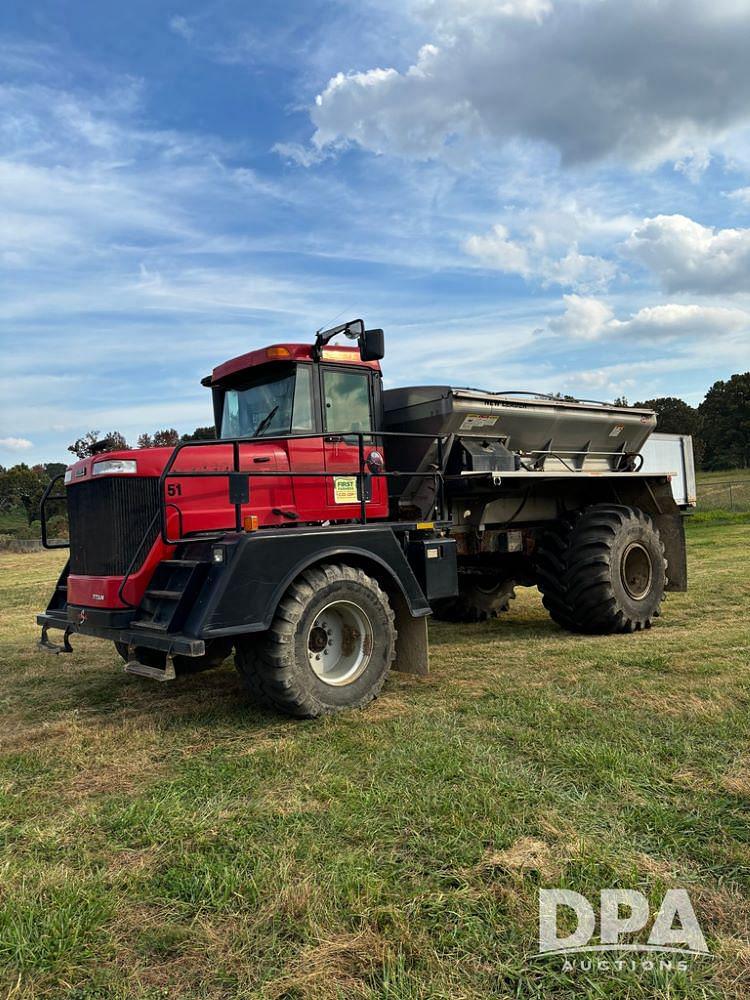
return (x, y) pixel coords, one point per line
(329, 648)
(604, 571)
(479, 599)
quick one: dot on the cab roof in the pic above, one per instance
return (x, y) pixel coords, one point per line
(340, 353)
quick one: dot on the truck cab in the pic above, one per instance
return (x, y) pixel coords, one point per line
(300, 423)
(302, 412)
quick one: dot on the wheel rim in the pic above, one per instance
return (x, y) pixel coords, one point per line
(636, 571)
(339, 643)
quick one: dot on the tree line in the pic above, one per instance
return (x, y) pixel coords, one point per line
(719, 426)
(95, 443)
(22, 486)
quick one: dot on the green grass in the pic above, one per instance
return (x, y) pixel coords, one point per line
(720, 516)
(722, 476)
(171, 840)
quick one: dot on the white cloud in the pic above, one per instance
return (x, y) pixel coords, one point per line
(740, 194)
(583, 319)
(495, 250)
(449, 13)
(576, 270)
(683, 321)
(303, 156)
(591, 319)
(16, 444)
(688, 256)
(182, 27)
(646, 80)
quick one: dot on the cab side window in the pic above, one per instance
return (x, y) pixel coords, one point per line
(346, 402)
(302, 414)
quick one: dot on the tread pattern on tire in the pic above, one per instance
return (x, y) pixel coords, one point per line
(464, 608)
(574, 570)
(267, 664)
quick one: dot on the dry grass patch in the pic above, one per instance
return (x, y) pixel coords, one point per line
(737, 780)
(339, 966)
(525, 855)
(18, 736)
(158, 953)
(133, 861)
(732, 972)
(657, 868)
(722, 910)
(682, 702)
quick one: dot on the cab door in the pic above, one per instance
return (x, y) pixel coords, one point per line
(348, 406)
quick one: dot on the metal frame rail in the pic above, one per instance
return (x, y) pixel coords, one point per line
(48, 495)
(239, 485)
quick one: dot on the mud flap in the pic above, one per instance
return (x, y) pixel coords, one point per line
(672, 532)
(412, 645)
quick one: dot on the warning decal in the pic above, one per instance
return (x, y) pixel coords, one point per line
(475, 420)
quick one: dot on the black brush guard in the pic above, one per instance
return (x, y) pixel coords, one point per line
(106, 624)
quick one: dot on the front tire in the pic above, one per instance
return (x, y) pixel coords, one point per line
(604, 571)
(329, 647)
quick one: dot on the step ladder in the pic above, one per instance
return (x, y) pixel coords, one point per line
(169, 598)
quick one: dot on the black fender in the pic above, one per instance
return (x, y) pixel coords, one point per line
(241, 593)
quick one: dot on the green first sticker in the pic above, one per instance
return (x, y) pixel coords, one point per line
(345, 489)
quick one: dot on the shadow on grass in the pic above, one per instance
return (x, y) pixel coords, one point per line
(503, 630)
(96, 689)
(101, 693)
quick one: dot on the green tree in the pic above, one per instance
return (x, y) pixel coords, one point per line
(166, 438)
(21, 486)
(201, 434)
(52, 469)
(8, 499)
(675, 416)
(725, 424)
(91, 444)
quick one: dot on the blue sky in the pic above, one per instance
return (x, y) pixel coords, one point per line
(530, 194)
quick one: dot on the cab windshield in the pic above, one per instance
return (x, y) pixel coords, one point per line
(273, 404)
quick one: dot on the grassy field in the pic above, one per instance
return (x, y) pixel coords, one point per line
(725, 490)
(172, 841)
(704, 478)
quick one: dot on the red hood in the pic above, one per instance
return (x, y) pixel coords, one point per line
(151, 462)
(198, 456)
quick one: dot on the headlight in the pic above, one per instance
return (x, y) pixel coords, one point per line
(115, 467)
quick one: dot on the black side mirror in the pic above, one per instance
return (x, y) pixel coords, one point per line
(372, 345)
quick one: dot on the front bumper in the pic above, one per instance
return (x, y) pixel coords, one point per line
(180, 645)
